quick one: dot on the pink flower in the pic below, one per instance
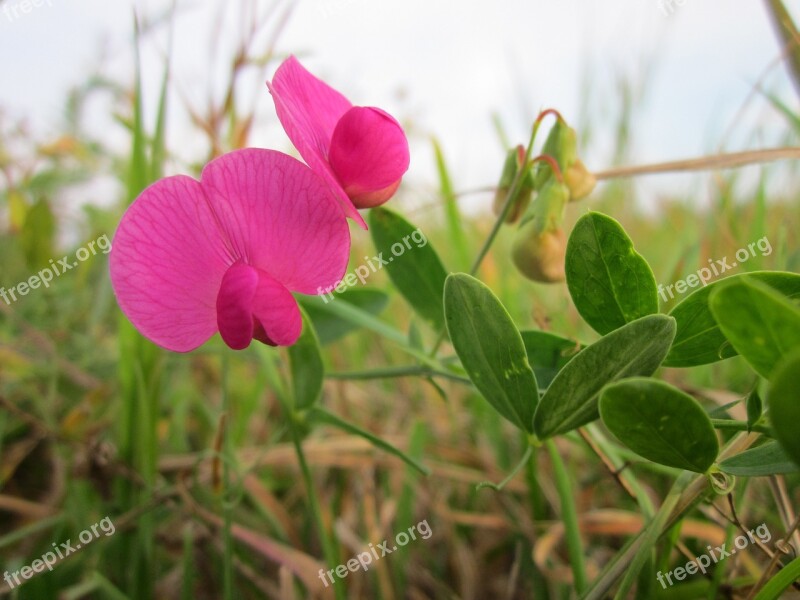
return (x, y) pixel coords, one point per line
(191, 258)
(362, 153)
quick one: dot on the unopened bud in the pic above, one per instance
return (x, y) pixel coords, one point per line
(562, 145)
(579, 180)
(514, 162)
(540, 255)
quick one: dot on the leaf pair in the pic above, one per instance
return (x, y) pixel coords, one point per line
(750, 314)
(493, 354)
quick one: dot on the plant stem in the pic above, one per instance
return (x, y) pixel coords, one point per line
(569, 515)
(328, 548)
(499, 486)
(705, 163)
(391, 372)
(227, 455)
(731, 425)
(320, 414)
(510, 196)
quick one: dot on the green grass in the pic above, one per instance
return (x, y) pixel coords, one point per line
(96, 421)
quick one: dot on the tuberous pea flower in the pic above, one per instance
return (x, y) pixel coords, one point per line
(225, 253)
(361, 152)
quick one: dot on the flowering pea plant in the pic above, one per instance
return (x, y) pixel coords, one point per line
(243, 249)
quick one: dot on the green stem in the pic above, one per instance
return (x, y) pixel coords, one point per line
(569, 515)
(510, 196)
(499, 486)
(652, 533)
(731, 425)
(693, 493)
(319, 414)
(328, 547)
(404, 371)
(227, 455)
(599, 439)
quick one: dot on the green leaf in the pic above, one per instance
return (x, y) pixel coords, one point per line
(307, 369)
(610, 283)
(413, 265)
(660, 423)
(780, 582)
(784, 405)
(328, 325)
(760, 323)
(755, 408)
(634, 349)
(765, 460)
(699, 340)
(490, 348)
(548, 353)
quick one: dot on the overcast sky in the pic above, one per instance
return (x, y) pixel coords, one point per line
(445, 65)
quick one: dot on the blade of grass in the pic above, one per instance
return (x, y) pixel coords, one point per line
(789, 38)
(454, 220)
(321, 415)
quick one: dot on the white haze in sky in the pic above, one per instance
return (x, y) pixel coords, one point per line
(442, 67)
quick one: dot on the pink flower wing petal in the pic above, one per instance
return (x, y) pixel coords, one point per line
(309, 110)
(279, 217)
(369, 155)
(167, 261)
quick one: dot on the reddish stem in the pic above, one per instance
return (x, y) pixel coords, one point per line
(553, 165)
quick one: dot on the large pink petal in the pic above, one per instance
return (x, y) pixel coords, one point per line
(252, 304)
(309, 110)
(369, 155)
(278, 216)
(167, 261)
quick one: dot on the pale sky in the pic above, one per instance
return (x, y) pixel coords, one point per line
(445, 65)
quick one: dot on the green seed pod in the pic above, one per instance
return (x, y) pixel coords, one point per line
(540, 245)
(514, 161)
(540, 256)
(579, 180)
(548, 207)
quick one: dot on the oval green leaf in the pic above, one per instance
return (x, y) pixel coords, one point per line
(548, 353)
(761, 324)
(660, 423)
(411, 262)
(784, 405)
(308, 372)
(490, 348)
(769, 459)
(634, 349)
(610, 283)
(699, 340)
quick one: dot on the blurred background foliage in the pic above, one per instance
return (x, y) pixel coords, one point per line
(96, 421)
